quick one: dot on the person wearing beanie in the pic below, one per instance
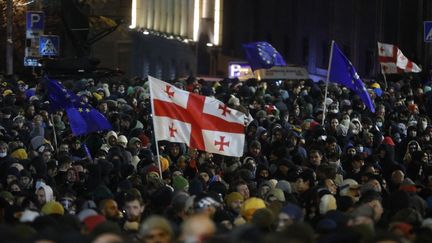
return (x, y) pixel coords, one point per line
(91, 222)
(274, 195)
(83, 214)
(164, 163)
(156, 229)
(234, 202)
(180, 183)
(12, 175)
(8, 197)
(19, 154)
(250, 206)
(52, 208)
(289, 214)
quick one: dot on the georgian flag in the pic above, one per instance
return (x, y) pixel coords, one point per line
(198, 121)
(393, 60)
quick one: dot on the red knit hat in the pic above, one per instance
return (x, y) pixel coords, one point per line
(389, 141)
(92, 221)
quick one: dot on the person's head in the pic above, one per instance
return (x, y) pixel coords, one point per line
(351, 151)
(315, 157)
(12, 175)
(397, 177)
(331, 144)
(351, 188)
(72, 175)
(109, 208)
(174, 150)
(334, 123)
(3, 149)
(26, 180)
(64, 147)
(373, 200)
(156, 229)
(197, 228)
(234, 201)
(289, 215)
(305, 181)
(44, 194)
(134, 206)
(330, 185)
(357, 162)
(255, 148)
(242, 188)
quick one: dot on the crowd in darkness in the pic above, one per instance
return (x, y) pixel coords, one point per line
(348, 175)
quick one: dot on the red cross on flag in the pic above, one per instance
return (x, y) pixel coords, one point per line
(393, 60)
(198, 121)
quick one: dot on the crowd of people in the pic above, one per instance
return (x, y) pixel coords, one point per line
(348, 175)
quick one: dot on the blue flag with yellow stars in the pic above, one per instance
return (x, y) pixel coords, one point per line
(83, 118)
(343, 72)
(262, 55)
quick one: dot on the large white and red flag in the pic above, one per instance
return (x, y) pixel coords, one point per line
(393, 60)
(200, 122)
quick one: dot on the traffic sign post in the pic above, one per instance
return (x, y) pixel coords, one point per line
(49, 45)
(35, 23)
(427, 31)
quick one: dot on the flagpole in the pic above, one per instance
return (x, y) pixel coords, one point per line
(154, 132)
(327, 81)
(54, 133)
(384, 76)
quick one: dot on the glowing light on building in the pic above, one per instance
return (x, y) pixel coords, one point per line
(196, 21)
(217, 17)
(133, 14)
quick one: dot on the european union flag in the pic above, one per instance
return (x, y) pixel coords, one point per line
(60, 98)
(343, 72)
(262, 55)
(83, 118)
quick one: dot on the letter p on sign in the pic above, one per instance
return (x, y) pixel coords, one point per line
(35, 20)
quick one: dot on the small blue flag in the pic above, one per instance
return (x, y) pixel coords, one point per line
(83, 118)
(262, 55)
(343, 72)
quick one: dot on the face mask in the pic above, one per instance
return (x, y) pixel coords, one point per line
(2, 155)
(379, 124)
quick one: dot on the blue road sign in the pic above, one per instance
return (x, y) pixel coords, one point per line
(49, 45)
(428, 31)
(35, 20)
